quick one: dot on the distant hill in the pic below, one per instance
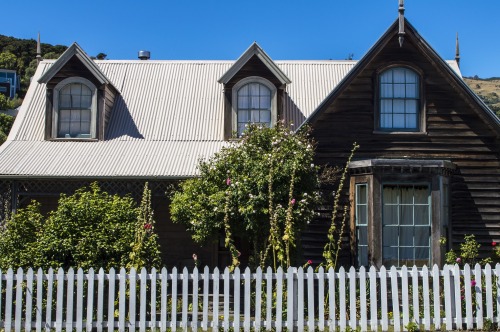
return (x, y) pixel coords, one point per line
(25, 52)
(488, 89)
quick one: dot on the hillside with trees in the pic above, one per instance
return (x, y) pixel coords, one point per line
(20, 55)
(488, 89)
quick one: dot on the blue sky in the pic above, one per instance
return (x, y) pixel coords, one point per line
(292, 29)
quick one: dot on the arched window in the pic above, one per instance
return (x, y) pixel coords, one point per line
(399, 95)
(253, 102)
(74, 109)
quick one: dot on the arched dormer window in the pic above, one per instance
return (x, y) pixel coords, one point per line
(254, 101)
(74, 109)
(399, 100)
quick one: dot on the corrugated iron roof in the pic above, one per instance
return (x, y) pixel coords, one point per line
(168, 115)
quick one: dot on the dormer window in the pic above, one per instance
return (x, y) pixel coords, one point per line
(75, 109)
(254, 101)
(399, 100)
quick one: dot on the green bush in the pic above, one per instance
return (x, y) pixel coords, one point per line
(88, 229)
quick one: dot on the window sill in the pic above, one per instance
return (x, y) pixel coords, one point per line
(65, 139)
(408, 133)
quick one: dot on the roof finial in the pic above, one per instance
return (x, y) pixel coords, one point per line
(38, 50)
(457, 52)
(401, 33)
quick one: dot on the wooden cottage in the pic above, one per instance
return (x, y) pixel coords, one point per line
(427, 167)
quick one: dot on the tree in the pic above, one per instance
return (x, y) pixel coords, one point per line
(8, 61)
(101, 56)
(6, 121)
(88, 229)
(262, 189)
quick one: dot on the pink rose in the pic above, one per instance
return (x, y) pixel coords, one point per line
(309, 262)
(458, 260)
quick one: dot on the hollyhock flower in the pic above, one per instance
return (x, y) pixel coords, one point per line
(493, 243)
(228, 181)
(309, 262)
(473, 283)
(292, 201)
(195, 257)
(458, 260)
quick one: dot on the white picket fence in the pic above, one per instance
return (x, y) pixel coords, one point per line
(451, 298)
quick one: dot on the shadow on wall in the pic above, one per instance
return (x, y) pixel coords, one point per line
(121, 122)
(291, 112)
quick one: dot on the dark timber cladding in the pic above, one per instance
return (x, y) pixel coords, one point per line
(455, 129)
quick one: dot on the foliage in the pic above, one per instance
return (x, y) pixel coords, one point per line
(89, 229)
(469, 253)
(262, 188)
(25, 52)
(6, 122)
(334, 242)
(8, 61)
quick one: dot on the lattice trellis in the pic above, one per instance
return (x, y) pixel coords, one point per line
(16, 192)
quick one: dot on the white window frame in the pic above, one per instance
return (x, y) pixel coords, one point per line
(234, 103)
(55, 107)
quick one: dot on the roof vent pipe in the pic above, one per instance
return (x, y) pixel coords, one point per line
(144, 55)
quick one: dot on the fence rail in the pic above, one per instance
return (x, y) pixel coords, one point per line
(399, 298)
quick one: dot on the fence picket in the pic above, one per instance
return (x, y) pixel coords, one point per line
(132, 299)
(185, 299)
(227, 284)
(79, 300)
(331, 305)
(29, 298)
(164, 299)
(497, 281)
(111, 299)
(415, 294)
(447, 297)
(236, 298)
(100, 299)
(258, 296)
(405, 304)
(48, 309)
(289, 301)
(468, 297)
(121, 303)
(216, 300)
(142, 299)
(479, 296)
(342, 297)
(8, 300)
(373, 298)
(59, 303)
(427, 306)
(206, 286)
(458, 298)
(436, 301)
(70, 286)
(173, 316)
(489, 291)
(19, 300)
(362, 299)
(154, 276)
(247, 294)
(269, 294)
(194, 316)
(90, 299)
(321, 298)
(279, 299)
(39, 300)
(383, 298)
(395, 299)
(310, 298)
(352, 298)
(300, 299)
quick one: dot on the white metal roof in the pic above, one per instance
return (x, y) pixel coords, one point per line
(170, 114)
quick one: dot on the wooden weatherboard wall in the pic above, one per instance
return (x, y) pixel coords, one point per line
(456, 128)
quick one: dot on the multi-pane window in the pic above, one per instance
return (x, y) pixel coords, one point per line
(254, 106)
(75, 111)
(362, 223)
(406, 225)
(399, 100)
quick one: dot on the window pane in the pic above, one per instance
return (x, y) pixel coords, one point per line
(362, 235)
(390, 236)
(85, 128)
(75, 116)
(411, 91)
(65, 101)
(76, 89)
(254, 102)
(406, 194)
(74, 129)
(362, 256)
(241, 128)
(406, 215)
(422, 215)
(399, 75)
(398, 106)
(386, 77)
(390, 194)
(264, 91)
(242, 102)
(63, 129)
(390, 256)
(243, 116)
(386, 106)
(411, 121)
(423, 255)
(411, 77)
(399, 91)
(265, 116)
(386, 91)
(265, 102)
(406, 236)
(243, 91)
(386, 121)
(390, 216)
(398, 121)
(422, 236)
(410, 106)
(254, 116)
(253, 89)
